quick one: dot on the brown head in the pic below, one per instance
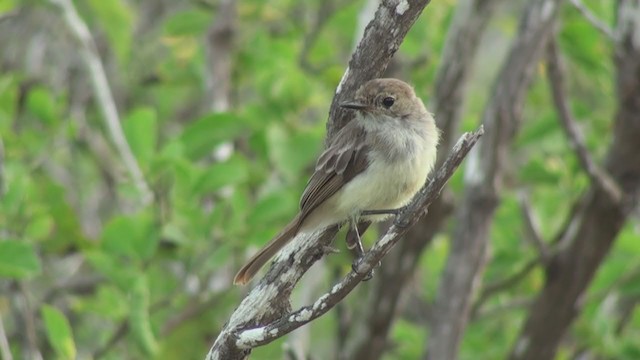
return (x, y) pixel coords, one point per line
(391, 97)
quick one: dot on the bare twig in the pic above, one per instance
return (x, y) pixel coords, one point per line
(570, 127)
(5, 350)
(532, 229)
(103, 94)
(31, 338)
(593, 19)
(500, 310)
(220, 39)
(502, 285)
(323, 15)
(234, 341)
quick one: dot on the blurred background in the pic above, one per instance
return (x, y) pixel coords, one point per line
(150, 146)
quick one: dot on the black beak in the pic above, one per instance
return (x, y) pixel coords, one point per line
(353, 105)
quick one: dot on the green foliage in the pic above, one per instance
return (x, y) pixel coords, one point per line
(59, 332)
(18, 260)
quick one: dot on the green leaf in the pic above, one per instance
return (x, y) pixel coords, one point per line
(7, 5)
(42, 104)
(132, 235)
(291, 152)
(18, 259)
(233, 171)
(274, 206)
(117, 19)
(141, 130)
(120, 274)
(202, 136)
(185, 23)
(139, 317)
(59, 332)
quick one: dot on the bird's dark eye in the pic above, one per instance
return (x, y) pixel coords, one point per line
(388, 102)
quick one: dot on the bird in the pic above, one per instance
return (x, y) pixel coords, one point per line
(374, 165)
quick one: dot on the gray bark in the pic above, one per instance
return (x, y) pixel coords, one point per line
(483, 182)
(385, 299)
(595, 225)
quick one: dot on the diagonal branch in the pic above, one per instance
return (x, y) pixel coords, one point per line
(593, 19)
(570, 127)
(103, 94)
(418, 207)
(235, 342)
(532, 229)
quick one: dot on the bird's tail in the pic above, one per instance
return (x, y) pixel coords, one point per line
(249, 270)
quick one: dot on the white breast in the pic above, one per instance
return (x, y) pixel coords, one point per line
(388, 184)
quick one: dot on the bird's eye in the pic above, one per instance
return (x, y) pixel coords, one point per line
(388, 102)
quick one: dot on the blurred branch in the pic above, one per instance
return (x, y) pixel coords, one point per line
(593, 19)
(5, 349)
(220, 40)
(499, 310)
(193, 310)
(30, 335)
(104, 96)
(502, 285)
(596, 224)
(324, 13)
(532, 229)
(484, 175)
(569, 125)
(240, 333)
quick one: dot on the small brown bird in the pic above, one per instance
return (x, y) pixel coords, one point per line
(378, 161)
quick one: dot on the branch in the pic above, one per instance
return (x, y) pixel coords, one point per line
(502, 285)
(234, 342)
(484, 176)
(598, 220)
(449, 94)
(103, 94)
(556, 81)
(532, 229)
(5, 349)
(381, 39)
(591, 18)
(418, 207)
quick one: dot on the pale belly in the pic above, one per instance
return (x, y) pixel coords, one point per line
(382, 186)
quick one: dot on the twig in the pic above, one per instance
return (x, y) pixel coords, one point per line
(514, 304)
(501, 285)
(592, 19)
(556, 81)
(103, 94)
(5, 350)
(324, 14)
(263, 335)
(532, 229)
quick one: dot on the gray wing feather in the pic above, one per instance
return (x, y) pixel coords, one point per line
(338, 164)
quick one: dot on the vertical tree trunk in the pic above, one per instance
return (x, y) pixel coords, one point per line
(483, 182)
(594, 227)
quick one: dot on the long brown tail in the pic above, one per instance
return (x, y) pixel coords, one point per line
(249, 270)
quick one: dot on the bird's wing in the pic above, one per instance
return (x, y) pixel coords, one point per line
(345, 158)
